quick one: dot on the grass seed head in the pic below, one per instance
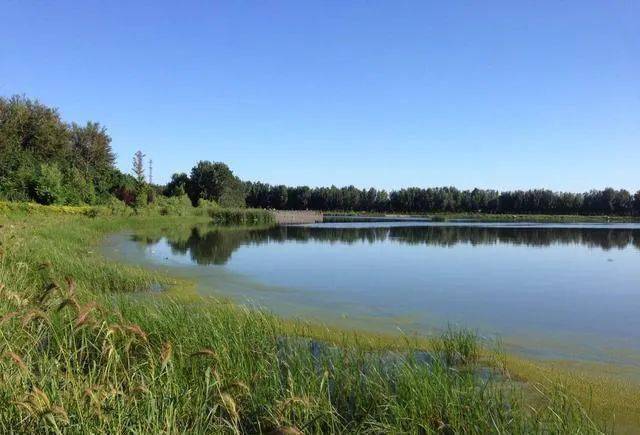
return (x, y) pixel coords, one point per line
(71, 286)
(137, 331)
(17, 360)
(291, 430)
(46, 292)
(230, 406)
(205, 352)
(8, 317)
(84, 313)
(165, 354)
(238, 386)
(71, 302)
(32, 315)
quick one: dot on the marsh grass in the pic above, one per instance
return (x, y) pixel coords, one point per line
(458, 346)
(241, 216)
(80, 352)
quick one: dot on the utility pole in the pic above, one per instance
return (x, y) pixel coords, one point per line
(150, 171)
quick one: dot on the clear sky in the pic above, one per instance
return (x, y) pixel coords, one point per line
(496, 94)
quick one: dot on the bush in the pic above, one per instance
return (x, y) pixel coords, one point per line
(174, 206)
(115, 207)
(31, 208)
(47, 187)
(78, 190)
(142, 198)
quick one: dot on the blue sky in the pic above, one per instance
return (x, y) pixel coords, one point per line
(372, 93)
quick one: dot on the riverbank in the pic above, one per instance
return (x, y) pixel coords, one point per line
(484, 217)
(84, 349)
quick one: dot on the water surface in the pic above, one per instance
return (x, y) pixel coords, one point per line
(549, 290)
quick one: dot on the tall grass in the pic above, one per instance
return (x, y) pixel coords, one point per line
(82, 352)
(241, 216)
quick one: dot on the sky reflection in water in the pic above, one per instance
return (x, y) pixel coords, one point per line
(558, 290)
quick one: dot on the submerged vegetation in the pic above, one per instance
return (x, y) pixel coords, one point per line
(84, 349)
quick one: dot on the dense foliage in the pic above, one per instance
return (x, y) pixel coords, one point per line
(443, 199)
(46, 160)
(210, 181)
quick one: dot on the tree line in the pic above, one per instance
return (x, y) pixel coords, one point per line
(216, 246)
(443, 199)
(50, 161)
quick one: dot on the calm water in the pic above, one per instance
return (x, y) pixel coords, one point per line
(553, 291)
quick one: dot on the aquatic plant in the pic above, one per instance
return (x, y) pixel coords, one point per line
(241, 216)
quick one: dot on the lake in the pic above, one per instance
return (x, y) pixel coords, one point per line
(558, 291)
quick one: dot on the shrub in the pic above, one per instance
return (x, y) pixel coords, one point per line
(47, 187)
(174, 206)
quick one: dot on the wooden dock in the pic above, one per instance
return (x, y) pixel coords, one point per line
(290, 217)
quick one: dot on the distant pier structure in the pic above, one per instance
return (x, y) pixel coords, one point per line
(290, 217)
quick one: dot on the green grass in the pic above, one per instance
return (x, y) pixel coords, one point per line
(84, 350)
(241, 216)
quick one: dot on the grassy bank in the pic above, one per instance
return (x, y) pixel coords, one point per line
(84, 350)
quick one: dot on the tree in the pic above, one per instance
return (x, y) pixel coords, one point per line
(29, 126)
(278, 197)
(215, 181)
(77, 188)
(47, 188)
(91, 147)
(622, 202)
(138, 166)
(636, 203)
(258, 194)
(298, 197)
(177, 186)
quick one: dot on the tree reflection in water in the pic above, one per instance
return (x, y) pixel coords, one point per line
(215, 245)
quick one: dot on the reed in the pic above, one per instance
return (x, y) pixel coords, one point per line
(241, 216)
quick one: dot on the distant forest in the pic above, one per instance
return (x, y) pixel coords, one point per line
(47, 160)
(444, 199)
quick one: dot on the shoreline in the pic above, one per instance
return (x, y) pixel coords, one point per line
(89, 232)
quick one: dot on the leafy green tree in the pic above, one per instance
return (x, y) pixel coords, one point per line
(138, 166)
(215, 181)
(622, 202)
(258, 194)
(78, 188)
(141, 197)
(47, 188)
(29, 126)
(91, 147)
(298, 197)
(278, 197)
(178, 185)
(636, 203)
